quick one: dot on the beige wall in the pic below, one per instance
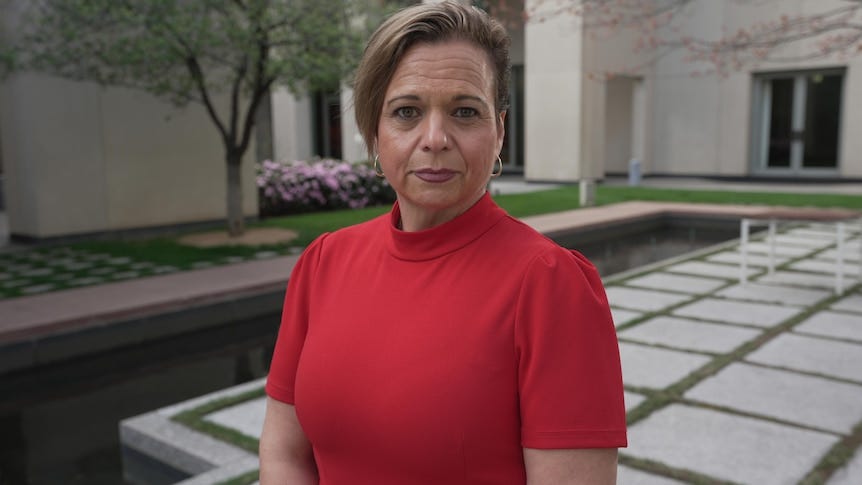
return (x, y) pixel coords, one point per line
(851, 121)
(291, 126)
(352, 145)
(688, 124)
(83, 159)
(553, 99)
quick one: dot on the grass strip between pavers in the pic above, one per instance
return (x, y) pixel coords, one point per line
(838, 456)
(688, 477)
(834, 459)
(194, 418)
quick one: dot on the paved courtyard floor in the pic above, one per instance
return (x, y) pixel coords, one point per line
(725, 383)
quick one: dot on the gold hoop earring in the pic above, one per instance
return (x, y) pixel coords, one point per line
(377, 170)
(497, 173)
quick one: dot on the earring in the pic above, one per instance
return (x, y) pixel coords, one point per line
(377, 170)
(496, 173)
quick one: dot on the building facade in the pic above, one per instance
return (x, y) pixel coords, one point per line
(79, 159)
(793, 118)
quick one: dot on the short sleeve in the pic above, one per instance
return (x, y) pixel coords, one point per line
(570, 378)
(294, 325)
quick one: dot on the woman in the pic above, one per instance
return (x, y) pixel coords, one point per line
(445, 342)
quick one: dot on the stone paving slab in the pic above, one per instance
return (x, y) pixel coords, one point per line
(850, 303)
(802, 241)
(735, 258)
(88, 306)
(644, 300)
(807, 400)
(674, 282)
(798, 278)
(849, 474)
(774, 294)
(622, 317)
(830, 267)
(742, 312)
(819, 232)
(711, 270)
(176, 445)
(783, 251)
(689, 334)
(833, 324)
(850, 256)
(727, 446)
(247, 417)
(168, 412)
(631, 476)
(632, 399)
(656, 368)
(812, 354)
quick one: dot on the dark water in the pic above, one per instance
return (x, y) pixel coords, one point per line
(60, 425)
(627, 251)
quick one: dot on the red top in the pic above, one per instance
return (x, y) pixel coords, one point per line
(433, 357)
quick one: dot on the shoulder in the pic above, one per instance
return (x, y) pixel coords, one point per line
(517, 238)
(561, 271)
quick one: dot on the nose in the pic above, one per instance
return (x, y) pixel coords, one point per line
(435, 136)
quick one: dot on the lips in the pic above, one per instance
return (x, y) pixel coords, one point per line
(434, 176)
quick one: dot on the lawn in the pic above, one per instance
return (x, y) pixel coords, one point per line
(96, 262)
(566, 198)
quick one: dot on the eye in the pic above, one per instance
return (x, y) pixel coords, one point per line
(465, 112)
(406, 112)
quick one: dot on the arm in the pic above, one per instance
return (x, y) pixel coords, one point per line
(285, 452)
(597, 466)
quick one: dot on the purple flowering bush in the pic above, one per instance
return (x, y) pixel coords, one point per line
(324, 184)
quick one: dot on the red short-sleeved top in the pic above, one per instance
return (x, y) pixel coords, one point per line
(433, 357)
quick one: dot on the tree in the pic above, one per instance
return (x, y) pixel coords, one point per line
(188, 51)
(834, 29)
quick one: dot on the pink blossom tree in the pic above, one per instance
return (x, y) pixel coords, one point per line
(828, 28)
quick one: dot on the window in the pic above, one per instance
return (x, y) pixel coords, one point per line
(326, 116)
(797, 122)
(512, 153)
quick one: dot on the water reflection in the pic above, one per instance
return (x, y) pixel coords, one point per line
(60, 425)
(627, 251)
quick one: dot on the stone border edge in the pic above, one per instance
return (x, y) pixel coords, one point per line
(208, 460)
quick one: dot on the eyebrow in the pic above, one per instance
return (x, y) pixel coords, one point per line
(413, 97)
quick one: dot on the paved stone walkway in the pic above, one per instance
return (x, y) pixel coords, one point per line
(44, 270)
(756, 384)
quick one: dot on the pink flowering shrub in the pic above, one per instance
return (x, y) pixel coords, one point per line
(325, 184)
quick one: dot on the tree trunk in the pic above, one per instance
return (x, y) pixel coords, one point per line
(235, 221)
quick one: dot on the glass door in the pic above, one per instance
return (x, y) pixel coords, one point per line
(798, 122)
(822, 120)
(512, 153)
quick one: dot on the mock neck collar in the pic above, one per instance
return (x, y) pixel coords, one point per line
(444, 238)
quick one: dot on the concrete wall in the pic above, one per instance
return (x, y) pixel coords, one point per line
(291, 126)
(352, 145)
(681, 120)
(81, 159)
(553, 80)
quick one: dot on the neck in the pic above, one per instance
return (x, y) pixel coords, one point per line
(415, 218)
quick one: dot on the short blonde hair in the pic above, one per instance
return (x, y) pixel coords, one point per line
(424, 23)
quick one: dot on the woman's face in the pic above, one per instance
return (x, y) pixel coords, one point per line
(439, 136)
